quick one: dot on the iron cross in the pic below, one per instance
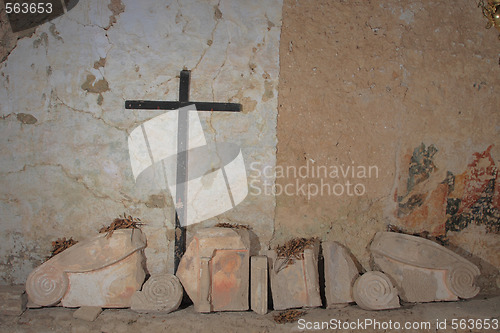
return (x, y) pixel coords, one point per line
(182, 145)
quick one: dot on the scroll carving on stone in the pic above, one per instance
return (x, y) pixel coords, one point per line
(424, 271)
(160, 293)
(102, 272)
(375, 291)
(214, 271)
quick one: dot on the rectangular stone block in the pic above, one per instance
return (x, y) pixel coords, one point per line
(294, 282)
(258, 284)
(88, 313)
(13, 300)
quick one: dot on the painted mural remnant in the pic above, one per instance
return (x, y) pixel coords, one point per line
(453, 203)
(474, 197)
(422, 207)
(421, 165)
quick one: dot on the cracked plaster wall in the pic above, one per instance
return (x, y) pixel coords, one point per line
(64, 167)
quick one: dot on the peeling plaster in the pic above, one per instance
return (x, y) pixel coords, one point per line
(92, 85)
(116, 7)
(26, 118)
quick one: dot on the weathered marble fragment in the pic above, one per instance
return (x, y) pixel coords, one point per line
(12, 300)
(340, 273)
(215, 269)
(160, 293)
(422, 270)
(295, 283)
(258, 284)
(375, 291)
(100, 272)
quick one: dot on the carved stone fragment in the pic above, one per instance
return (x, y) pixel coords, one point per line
(258, 284)
(340, 273)
(295, 283)
(422, 270)
(375, 291)
(214, 271)
(100, 272)
(160, 293)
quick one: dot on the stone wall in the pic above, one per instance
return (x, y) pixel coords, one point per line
(65, 168)
(385, 117)
(407, 89)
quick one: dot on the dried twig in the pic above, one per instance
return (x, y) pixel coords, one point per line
(233, 226)
(125, 222)
(288, 316)
(294, 248)
(60, 245)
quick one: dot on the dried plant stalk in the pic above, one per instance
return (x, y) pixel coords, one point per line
(288, 316)
(125, 222)
(60, 245)
(294, 248)
(233, 226)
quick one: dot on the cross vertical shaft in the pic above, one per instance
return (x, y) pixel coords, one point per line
(182, 176)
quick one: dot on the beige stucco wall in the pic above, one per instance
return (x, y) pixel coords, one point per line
(366, 83)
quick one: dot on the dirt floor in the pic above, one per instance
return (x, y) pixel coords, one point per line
(481, 309)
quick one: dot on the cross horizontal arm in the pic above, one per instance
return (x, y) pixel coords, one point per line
(200, 106)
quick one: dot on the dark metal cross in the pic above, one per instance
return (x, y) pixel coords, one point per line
(182, 147)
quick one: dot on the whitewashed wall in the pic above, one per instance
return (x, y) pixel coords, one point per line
(64, 161)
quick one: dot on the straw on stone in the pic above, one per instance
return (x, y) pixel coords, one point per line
(60, 245)
(125, 222)
(233, 226)
(294, 248)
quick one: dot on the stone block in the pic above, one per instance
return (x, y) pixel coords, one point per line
(88, 313)
(109, 287)
(341, 271)
(258, 284)
(375, 291)
(12, 300)
(214, 271)
(160, 293)
(295, 283)
(422, 270)
(102, 272)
